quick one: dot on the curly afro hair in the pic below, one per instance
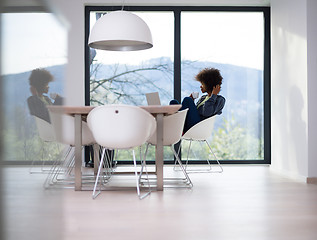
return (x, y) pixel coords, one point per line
(210, 77)
(39, 78)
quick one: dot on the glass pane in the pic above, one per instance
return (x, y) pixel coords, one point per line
(29, 41)
(125, 77)
(232, 42)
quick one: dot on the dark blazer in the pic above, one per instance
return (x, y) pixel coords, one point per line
(38, 108)
(212, 106)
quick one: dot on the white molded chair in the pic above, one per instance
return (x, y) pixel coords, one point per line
(121, 127)
(46, 133)
(173, 127)
(201, 132)
(64, 129)
(64, 133)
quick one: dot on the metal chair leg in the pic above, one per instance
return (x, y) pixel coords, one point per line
(179, 148)
(208, 162)
(98, 174)
(189, 182)
(137, 177)
(221, 169)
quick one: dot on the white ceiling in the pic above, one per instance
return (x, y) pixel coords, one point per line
(23, 3)
(35, 3)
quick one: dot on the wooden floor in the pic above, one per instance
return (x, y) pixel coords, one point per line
(244, 202)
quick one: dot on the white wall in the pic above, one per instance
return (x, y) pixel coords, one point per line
(312, 86)
(293, 87)
(73, 14)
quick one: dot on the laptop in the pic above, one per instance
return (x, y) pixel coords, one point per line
(153, 98)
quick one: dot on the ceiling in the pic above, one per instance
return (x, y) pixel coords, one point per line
(40, 3)
(22, 3)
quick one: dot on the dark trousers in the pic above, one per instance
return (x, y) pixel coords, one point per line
(192, 116)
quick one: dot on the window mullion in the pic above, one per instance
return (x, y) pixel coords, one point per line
(177, 55)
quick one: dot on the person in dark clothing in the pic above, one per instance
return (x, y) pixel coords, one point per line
(209, 104)
(39, 81)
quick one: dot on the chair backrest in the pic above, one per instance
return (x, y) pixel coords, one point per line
(121, 126)
(45, 129)
(173, 128)
(201, 130)
(64, 129)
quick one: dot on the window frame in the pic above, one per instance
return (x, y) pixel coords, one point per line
(177, 60)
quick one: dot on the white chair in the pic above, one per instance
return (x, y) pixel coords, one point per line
(121, 127)
(46, 133)
(201, 132)
(172, 131)
(64, 133)
(64, 129)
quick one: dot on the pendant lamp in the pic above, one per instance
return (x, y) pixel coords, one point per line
(120, 31)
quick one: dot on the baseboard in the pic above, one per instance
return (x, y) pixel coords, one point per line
(311, 180)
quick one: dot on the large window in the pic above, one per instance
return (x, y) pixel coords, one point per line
(233, 42)
(124, 77)
(186, 40)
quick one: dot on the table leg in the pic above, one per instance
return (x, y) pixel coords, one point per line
(159, 153)
(78, 152)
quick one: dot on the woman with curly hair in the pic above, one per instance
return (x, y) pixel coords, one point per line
(39, 80)
(209, 104)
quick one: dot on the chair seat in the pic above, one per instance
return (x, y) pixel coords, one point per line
(200, 132)
(64, 129)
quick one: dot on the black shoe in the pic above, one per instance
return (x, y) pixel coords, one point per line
(114, 164)
(90, 164)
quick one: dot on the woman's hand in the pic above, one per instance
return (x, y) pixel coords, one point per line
(216, 89)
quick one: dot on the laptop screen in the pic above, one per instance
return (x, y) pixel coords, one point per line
(153, 98)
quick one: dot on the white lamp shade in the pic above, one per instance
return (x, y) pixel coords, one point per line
(120, 31)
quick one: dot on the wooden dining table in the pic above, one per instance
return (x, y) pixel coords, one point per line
(158, 111)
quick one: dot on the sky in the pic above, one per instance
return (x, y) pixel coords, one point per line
(31, 40)
(234, 38)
